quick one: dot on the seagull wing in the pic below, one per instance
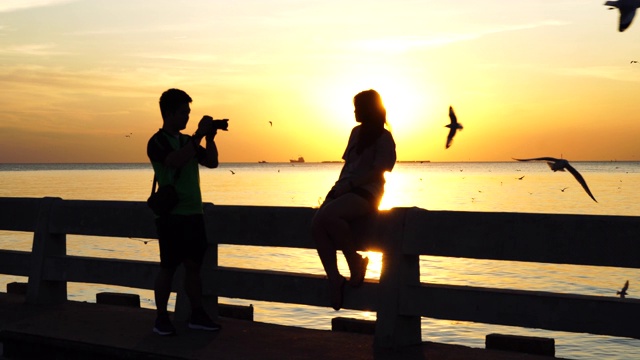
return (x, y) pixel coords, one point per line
(580, 179)
(452, 116)
(452, 132)
(625, 287)
(626, 16)
(538, 159)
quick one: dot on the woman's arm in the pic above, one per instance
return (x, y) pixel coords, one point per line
(372, 175)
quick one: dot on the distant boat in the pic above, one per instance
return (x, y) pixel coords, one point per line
(262, 162)
(300, 160)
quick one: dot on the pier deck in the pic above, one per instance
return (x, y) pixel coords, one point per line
(78, 330)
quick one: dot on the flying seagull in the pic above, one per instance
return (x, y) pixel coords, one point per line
(453, 127)
(623, 291)
(271, 123)
(562, 165)
(627, 10)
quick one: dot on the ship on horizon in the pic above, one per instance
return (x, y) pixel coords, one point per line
(299, 160)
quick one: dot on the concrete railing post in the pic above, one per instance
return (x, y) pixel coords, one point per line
(210, 267)
(39, 290)
(399, 271)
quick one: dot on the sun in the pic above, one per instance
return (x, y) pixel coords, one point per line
(405, 97)
(401, 100)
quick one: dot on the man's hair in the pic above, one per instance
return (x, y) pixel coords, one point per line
(171, 100)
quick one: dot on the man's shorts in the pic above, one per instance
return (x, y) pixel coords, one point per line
(181, 237)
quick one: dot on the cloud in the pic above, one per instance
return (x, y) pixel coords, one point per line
(401, 44)
(180, 57)
(617, 73)
(15, 5)
(31, 50)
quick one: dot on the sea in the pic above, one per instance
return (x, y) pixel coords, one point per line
(510, 186)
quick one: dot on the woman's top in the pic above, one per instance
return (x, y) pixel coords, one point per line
(381, 154)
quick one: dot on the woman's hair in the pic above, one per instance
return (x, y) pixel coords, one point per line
(171, 100)
(371, 113)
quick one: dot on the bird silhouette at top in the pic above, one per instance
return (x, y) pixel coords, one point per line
(627, 10)
(562, 165)
(453, 127)
(270, 123)
(623, 291)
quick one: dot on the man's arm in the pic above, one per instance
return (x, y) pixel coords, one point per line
(211, 151)
(180, 157)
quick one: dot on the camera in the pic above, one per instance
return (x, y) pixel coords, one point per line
(221, 124)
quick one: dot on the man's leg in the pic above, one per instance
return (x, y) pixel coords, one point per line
(199, 320)
(162, 290)
(193, 283)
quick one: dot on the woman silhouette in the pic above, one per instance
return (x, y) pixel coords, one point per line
(370, 152)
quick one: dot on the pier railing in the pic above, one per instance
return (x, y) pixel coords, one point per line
(401, 234)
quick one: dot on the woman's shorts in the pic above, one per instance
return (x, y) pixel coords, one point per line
(363, 193)
(181, 237)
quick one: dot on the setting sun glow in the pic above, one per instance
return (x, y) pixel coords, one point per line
(526, 78)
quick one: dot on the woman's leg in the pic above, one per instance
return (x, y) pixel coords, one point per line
(331, 231)
(325, 245)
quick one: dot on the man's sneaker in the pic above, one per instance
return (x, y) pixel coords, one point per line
(164, 326)
(201, 321)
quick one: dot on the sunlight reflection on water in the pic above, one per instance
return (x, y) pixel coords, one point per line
(456, 186)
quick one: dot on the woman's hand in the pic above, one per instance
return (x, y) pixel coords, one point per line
(342, 188)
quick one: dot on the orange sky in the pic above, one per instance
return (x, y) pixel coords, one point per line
(527, 78)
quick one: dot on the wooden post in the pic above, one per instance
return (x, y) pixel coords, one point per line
(39, 290)
(393, 329)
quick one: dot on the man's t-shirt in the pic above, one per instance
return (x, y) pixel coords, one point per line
(186, 179)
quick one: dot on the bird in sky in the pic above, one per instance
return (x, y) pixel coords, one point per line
(562, 165)
(453, 127)
(623, 291)
(270, 123)
(627, 10)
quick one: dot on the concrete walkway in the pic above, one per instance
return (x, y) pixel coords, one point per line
(78, 330)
